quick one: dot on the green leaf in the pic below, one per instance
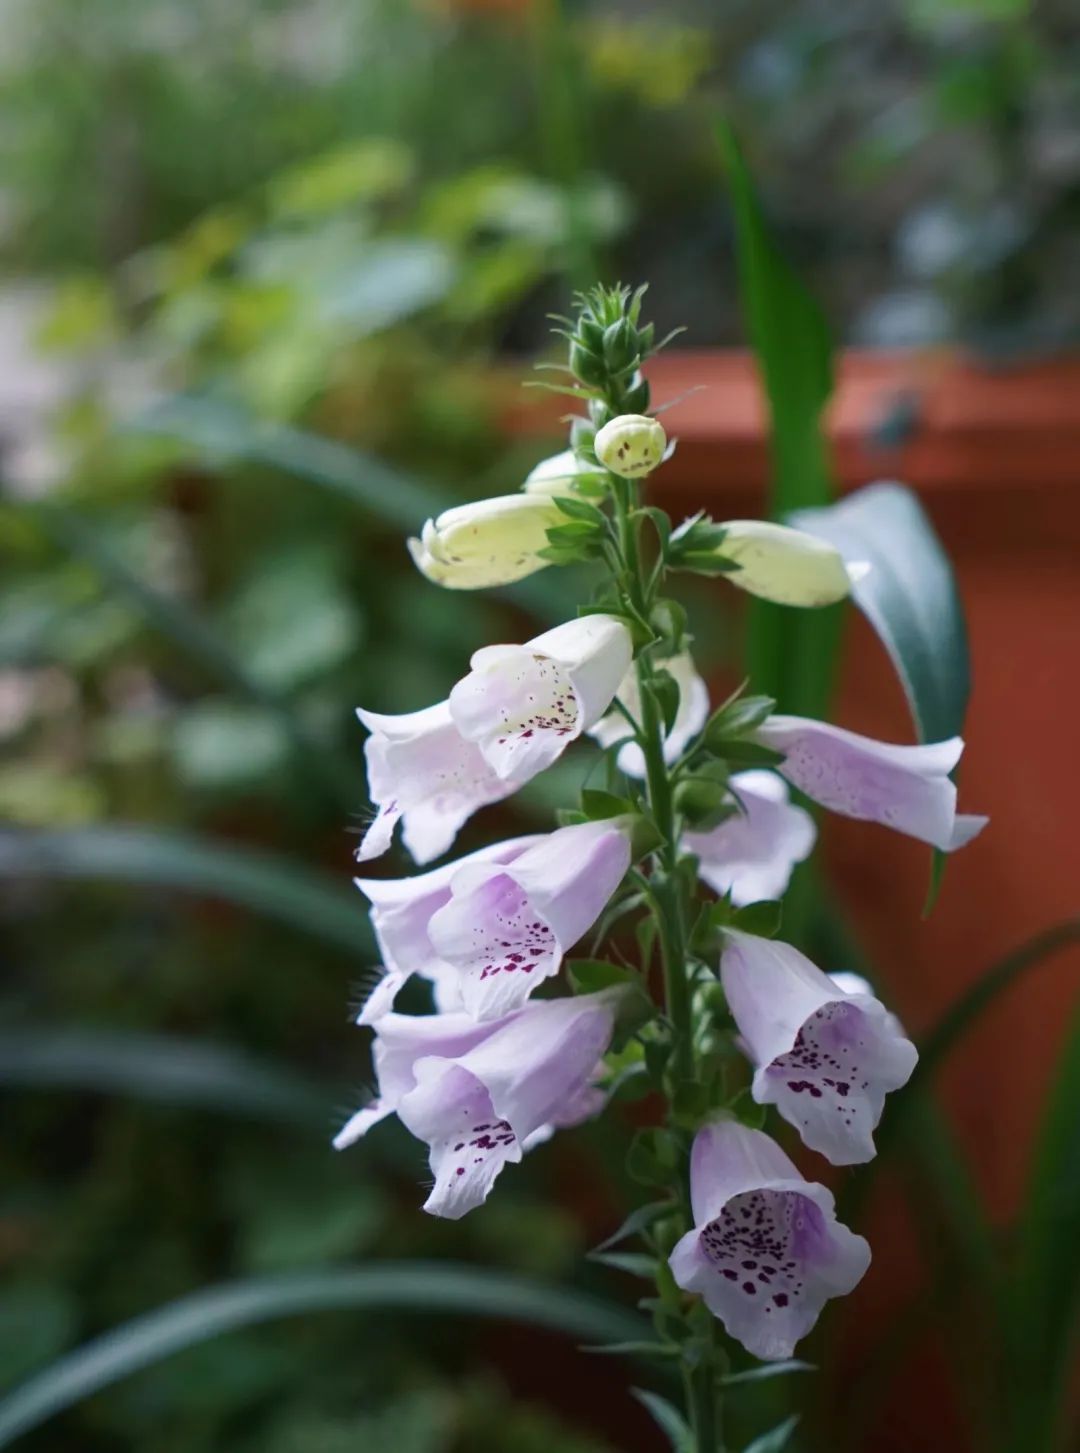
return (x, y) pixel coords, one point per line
(269, 885)
(597, 804)
(582, 511)
(792, 654)
(762, 918)
(640, 1219)
(589, 976)
(910, 598)
(634, 1263)
(667, 1418)
(162, 1067)
(666, 690)
(652, 1158)
(778, 1438)
(387, 1286)
(765, 1370)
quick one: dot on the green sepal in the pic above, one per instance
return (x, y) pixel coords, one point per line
(589, 976)
(692, 1101)
(653, 1157)
(739, 717)
(657, 1054)
(661, 521)
(639, 1220)
(635, 1263)
(569, 816)
(597, 805)
(703, 802)
(749, 754)
(581, 511)
(763, 918)
(666, 691)
(669, 620)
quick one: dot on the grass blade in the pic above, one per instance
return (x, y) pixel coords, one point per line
(163, 1067)
(174, 619)
(272, 886)
(415, 1286)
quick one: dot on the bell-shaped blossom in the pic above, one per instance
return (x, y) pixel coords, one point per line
(489, 542)
(522, 705)
(752, 854)
(824, 1058)
(689, 719)
(482, 1094)
(422, 771)
(766, 1251)
(631, 445)
(507, 926)
(562, 474)
(775, 562)
(906, 788)
(401, 909)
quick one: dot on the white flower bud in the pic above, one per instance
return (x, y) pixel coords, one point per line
(631, 445)
(784, 565)
(559, 475)
(489, 542)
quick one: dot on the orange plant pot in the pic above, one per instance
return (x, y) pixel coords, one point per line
(995, 457)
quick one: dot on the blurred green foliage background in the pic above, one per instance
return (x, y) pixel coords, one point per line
(263, 264)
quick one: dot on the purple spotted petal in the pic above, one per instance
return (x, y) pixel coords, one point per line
(421, 770)
(766, 1251)
(401, 909)
(482, 1094)
(752, 855)
(824, 1058)
(906, 788)
(506, 928)
(523, 705)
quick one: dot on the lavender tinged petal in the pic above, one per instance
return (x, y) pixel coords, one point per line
(507, 928)
(751, 856)
(826, 1059)
(766, 1251)
(903, 787)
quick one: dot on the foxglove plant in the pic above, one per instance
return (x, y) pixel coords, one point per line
(687, 851)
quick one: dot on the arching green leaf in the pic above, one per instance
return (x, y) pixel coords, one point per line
(429, 1287)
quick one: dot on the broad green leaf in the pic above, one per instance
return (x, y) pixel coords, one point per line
(778, 1438)
(909, 596)
(161, 1067)
(667, 1418)
(269, 885)
(427, 1287)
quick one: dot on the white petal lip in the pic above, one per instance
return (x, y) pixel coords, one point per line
(903, 787)
(401, 909)
(825, 1260)
(509, 1082)
(523, 705)
(563, 884)
(486, 543)
(420, 769)
(751, 856)
(826, 1059)
(784, 565)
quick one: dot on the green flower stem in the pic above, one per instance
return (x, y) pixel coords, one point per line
(670, 898)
